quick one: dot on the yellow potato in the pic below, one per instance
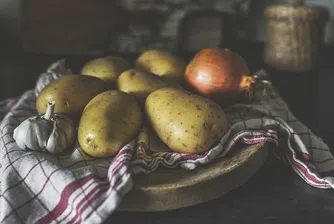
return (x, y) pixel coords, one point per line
(162, 63)
(141, 83)
(71, 94)
(106, 68)
(185, 122)
(109, 121)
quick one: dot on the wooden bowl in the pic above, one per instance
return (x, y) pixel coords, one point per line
(168, 189)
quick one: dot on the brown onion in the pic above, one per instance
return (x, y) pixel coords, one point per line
(219, 74)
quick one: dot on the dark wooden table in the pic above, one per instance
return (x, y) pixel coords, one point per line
(275, 193)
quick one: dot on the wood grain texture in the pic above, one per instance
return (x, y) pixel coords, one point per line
(168, 189)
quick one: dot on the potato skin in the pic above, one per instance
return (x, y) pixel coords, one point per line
(162, 63)
(141, 83)
(185, 122)
(109, 121)
(71, 94)
(106, 68)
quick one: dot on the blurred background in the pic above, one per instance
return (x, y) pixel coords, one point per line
(293, 42)
(123, 25)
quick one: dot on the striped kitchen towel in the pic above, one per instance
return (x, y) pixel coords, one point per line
(37, 187)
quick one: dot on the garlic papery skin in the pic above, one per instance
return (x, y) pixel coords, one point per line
(49, 132)
(62, 135)
(33, 133)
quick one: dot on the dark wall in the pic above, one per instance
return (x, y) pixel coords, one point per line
(10, 20)
(9, 23)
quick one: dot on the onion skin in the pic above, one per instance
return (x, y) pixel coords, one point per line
(219, 74)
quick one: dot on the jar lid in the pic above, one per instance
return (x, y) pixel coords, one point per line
(297, 10)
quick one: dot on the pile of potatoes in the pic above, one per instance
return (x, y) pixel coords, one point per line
(110, 101)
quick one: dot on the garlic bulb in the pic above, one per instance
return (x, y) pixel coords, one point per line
(49, 132)
(54, 71)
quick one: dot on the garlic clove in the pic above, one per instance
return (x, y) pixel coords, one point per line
(67, 126)
(42, 132)
(48, 132)
(56, 142)
(62, 136)
(20, 134)
(32, 133)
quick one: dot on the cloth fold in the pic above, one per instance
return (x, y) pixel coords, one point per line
(37, 187)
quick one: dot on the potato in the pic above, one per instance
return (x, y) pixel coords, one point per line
(71, 94)
(109, 121)
(161, 63)
(106, 68)
(141, 83)
(185, 122)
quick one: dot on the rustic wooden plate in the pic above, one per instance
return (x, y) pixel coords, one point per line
(167, 189)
